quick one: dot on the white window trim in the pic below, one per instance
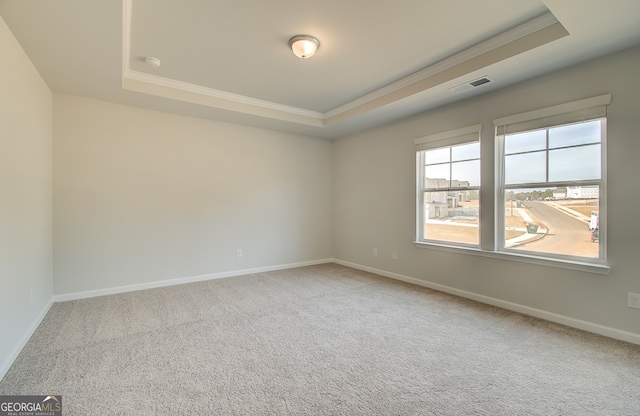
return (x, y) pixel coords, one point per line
(601, 183)
(586, 109)
(449, 138)
(543, 115)
(594, 268)
(444, 139)
(560, 109)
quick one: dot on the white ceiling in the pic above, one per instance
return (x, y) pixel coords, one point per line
(378, 61)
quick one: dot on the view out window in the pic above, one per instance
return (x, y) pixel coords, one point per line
(547, 176)
(448, 182)
(552, 197)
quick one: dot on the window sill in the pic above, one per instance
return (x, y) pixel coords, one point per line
(602, 269)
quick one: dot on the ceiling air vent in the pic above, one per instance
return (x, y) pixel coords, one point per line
(471, 85)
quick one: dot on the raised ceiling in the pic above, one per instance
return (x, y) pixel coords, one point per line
(378, 61)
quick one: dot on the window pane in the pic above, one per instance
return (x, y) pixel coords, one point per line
(465, 152)
(466, 173)
(575, 134)
(437, 155)
(545, 221)
(525, 168)
(451, 216)
(525, 142)
(437, 176)
(575, 163)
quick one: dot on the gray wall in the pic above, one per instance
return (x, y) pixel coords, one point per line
(142, 196)
(374, 199)
(26, 279)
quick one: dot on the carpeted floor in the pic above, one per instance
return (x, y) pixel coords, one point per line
(319, 340)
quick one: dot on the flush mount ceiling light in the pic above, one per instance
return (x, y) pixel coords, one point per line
(304, 46)
(152, 62)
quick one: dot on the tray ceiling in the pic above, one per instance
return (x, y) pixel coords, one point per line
(377, 61)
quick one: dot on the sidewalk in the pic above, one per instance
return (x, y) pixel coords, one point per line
(521, 239)
(526, 237)
(569, 211)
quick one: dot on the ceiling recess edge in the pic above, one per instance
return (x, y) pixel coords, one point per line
(531, 34)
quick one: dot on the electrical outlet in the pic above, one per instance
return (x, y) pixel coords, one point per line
(633, 300)
(394, 255)
(375, 252)
(239, 252)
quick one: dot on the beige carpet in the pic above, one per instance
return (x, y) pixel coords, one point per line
(320, 340)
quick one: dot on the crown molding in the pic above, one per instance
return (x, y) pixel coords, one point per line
(528, 36)
(197, 94)
(505, 38)
(531, 34)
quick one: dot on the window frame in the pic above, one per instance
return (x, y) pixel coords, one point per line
(545, 119)
(493, 186)
(503, 188)
(462, 136)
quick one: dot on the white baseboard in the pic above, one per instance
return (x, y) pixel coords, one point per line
(538, 313)
(549, 316)
(181, 280)
(8, 361)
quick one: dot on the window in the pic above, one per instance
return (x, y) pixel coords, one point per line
(552, 186)
(448, 185)
(546, 181)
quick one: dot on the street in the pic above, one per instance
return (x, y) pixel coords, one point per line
(566, 235)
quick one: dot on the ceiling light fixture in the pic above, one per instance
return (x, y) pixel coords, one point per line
(152, 62)
(304, 46)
